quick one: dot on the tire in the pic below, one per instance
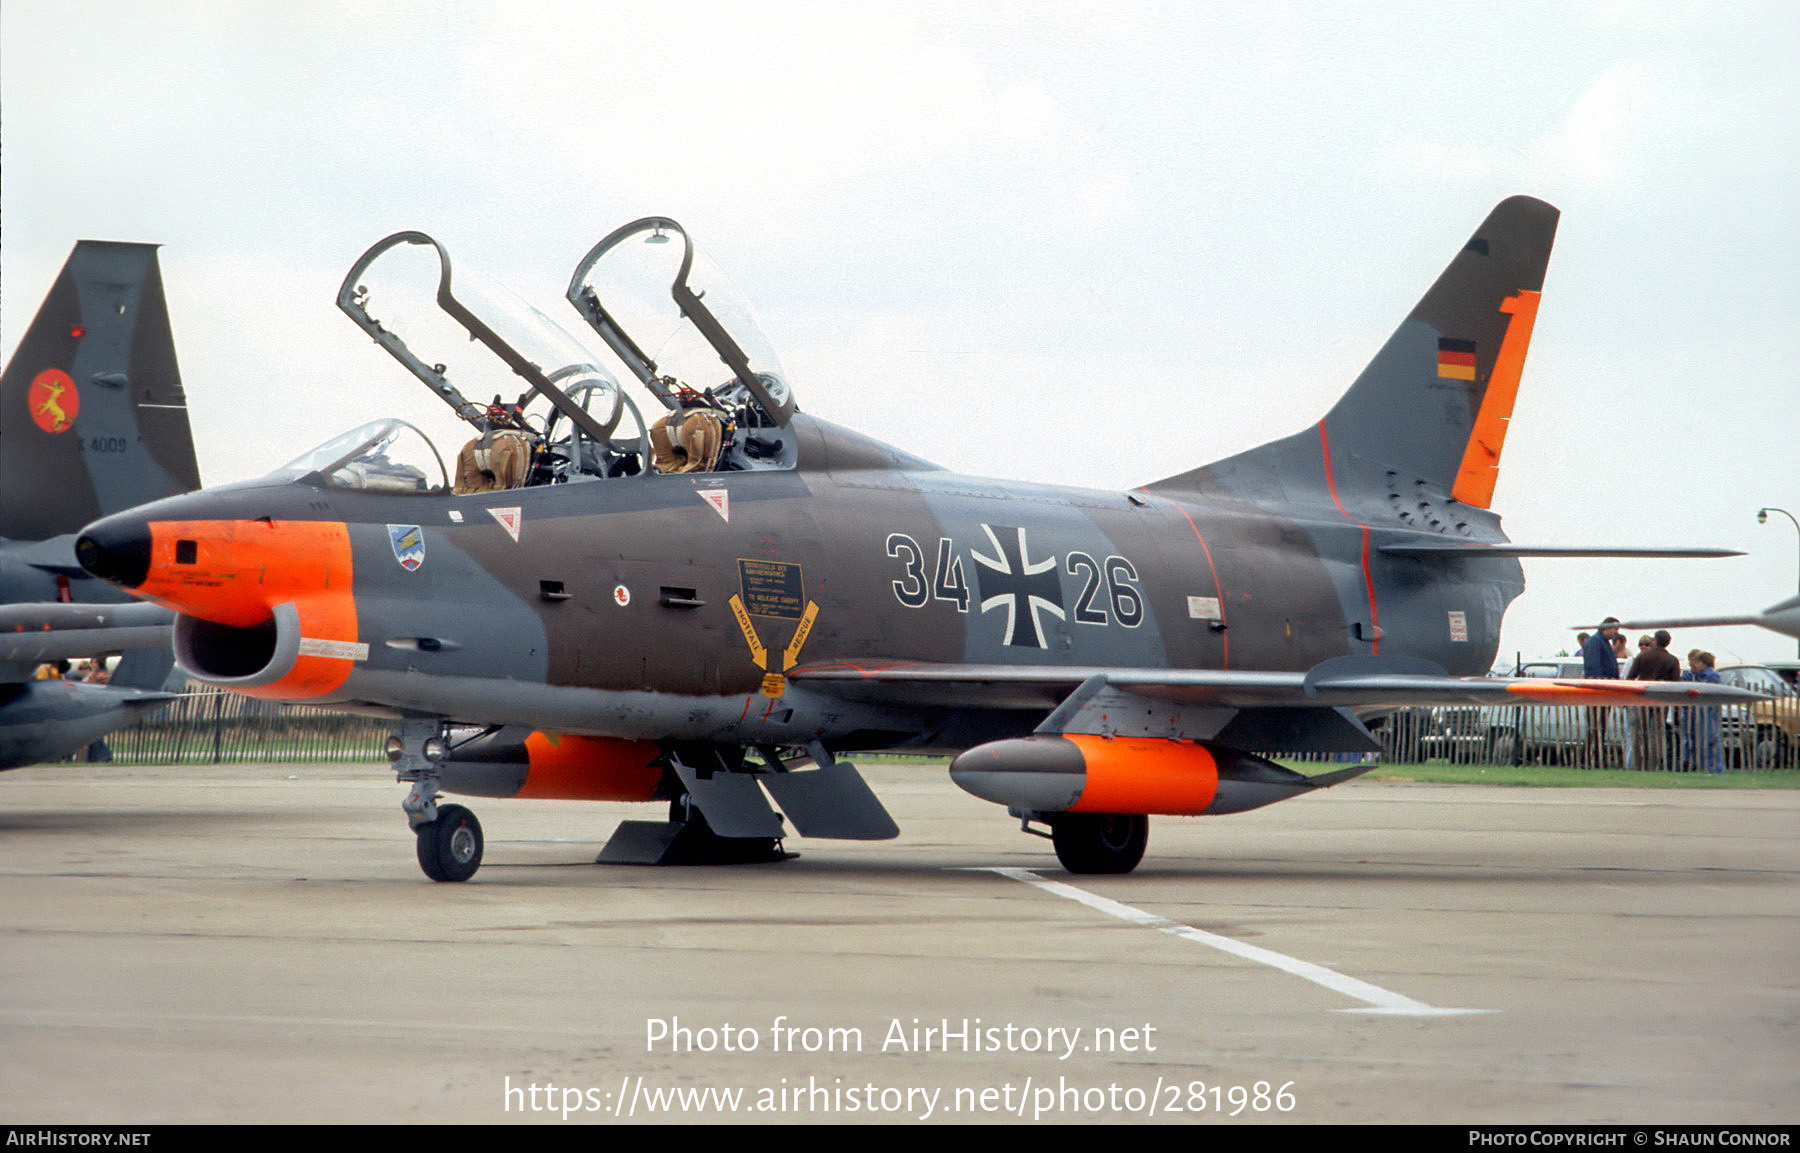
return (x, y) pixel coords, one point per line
(1097, 843)
(450, 847)
(1502, 747)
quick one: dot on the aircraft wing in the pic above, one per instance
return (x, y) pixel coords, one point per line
(1351, 682)
(52, 631)
(1314, 711)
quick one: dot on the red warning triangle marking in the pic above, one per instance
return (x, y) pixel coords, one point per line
(511, 519)
(720, 499)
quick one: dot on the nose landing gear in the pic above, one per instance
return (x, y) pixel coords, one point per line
(450, 842)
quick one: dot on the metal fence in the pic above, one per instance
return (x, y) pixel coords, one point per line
(1765, 735)
(209, 727)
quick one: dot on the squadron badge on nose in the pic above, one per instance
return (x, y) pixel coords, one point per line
(409, 545)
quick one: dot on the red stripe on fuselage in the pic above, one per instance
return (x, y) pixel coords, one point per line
(1368, 578)
(1225, 636)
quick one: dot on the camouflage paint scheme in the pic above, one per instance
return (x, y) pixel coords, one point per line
(840, 595)
(92, 421)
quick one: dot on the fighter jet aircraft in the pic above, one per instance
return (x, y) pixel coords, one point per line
(711, 608)
(92, 420)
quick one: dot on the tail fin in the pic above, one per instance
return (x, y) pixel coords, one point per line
(92, 416)
(1434, 404)
(1436, 400)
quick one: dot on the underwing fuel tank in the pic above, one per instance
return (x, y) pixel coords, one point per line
(1078, 773)
(514, 762)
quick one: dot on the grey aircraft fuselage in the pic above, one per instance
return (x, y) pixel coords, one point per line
(623, 629)
(611, 612)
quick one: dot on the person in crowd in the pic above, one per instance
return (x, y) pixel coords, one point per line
(1635, 726)
(1649, 750)
(1701, 727)
(1599, 661)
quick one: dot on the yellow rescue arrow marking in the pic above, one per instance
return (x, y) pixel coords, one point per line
(800, 634)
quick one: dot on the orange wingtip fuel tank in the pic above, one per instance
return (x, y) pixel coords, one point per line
(266, 606)
(553, 767)
(1088, 774)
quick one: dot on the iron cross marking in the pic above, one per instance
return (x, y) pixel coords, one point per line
(1010, 580)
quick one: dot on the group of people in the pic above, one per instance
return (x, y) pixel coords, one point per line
(1604, 653)
(93, 672)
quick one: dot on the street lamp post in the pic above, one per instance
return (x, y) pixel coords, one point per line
(1762, 517)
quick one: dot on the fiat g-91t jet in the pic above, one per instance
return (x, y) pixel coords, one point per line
(710, 601)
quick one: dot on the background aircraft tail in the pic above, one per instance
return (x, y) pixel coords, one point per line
(1432, 408)
(92, 415)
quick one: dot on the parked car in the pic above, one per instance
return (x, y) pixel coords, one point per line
(1788, 671)
(1767, 733)
(1551, 734)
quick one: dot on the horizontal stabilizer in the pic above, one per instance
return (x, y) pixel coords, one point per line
(1781, 617)
(1508, 548)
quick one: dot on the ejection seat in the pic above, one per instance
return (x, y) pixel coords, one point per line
(496, 460)
(694, 443)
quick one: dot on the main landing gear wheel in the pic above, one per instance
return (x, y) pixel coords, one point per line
(1100, 842)
(450, 847)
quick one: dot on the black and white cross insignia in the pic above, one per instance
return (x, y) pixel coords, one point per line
(1010, 580)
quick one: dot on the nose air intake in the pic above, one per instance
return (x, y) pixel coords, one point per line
(116, 551)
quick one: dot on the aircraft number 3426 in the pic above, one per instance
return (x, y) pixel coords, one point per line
(1107, 593)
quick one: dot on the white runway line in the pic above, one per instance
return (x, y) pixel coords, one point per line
(1381, 1001)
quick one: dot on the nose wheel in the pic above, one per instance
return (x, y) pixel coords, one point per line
(450, 847)
(449, 836)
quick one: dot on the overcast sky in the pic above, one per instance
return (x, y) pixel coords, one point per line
(1095, 244)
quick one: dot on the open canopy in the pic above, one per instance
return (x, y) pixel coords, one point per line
(676, 321)
(550, 362)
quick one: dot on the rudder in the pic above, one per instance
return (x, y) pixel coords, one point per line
(1435, 402)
